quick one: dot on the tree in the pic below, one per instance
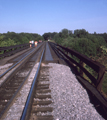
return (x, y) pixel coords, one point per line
(9, 42)
(11, 38)
(64, 33)
(80, 33)
(39, 38)
(46, 36)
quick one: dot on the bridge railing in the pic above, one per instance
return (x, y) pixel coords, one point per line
(8, 51)
(97, 67)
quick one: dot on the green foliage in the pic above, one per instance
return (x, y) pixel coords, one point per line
(64, 33)
(92, 45)
(104, 50)
(46, 36)
(12, 38)
(9, 42)
(81, 41)
(49, 35)
(58, 39)
(38, 38)
(80, 33)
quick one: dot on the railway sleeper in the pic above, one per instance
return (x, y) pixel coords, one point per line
(42, 102)
(42, 80)
(36, 109)
(2, 103)
(43, 76)
(39, 84)
(15, 82)
(42, 87)
(12, 87)
(43, 91)
(47, 117)
(42, 96)
(6, 95)
(2, 106)
(6, 91)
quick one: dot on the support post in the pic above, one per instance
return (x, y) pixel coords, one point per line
(81, 72)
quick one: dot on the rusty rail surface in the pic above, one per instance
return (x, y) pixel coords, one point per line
(99, 68)
(8, 51)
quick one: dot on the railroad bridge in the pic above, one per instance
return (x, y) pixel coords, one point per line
(46, 83)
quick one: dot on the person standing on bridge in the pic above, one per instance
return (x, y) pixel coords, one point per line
(32, 43)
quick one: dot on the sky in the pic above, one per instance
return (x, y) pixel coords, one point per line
(42, 16)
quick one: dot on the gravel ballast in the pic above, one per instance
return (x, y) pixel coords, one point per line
(15, 111)
(70, 99)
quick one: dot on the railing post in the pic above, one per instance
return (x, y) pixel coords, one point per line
(81, 72)
(100, 79)
(99, 86)
(11, 51)
(4, 51)
(68, 52)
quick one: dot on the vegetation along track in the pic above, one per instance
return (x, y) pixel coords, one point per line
(13, 83)
(38, 104)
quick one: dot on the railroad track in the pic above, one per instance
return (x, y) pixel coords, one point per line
(38, 104)
(14, 82)
(19, 62)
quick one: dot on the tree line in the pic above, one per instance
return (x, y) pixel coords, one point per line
(80, 40)
(12, 38)
(92, 45)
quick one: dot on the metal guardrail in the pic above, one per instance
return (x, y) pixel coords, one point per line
(99, 68)
(8, 51)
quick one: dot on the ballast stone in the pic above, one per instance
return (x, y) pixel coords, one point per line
(70, 99)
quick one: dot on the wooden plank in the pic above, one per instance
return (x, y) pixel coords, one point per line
(36, 117)
(9, 53)
(93, 64)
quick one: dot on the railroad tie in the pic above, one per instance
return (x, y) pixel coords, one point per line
(41, 107)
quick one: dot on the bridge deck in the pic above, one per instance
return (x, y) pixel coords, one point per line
(70, 98)
(48, 55)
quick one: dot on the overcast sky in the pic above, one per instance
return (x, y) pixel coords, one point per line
(41, 16)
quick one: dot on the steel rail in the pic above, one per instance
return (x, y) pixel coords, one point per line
(16, 63)
(14, 71)
(2, 114)
(31, 90)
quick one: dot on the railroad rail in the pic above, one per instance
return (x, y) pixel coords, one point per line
(39, 90)
(31, 108)
(28, 112)
(8, 51)
(11, 86)
(19, 62)
(39, 97)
